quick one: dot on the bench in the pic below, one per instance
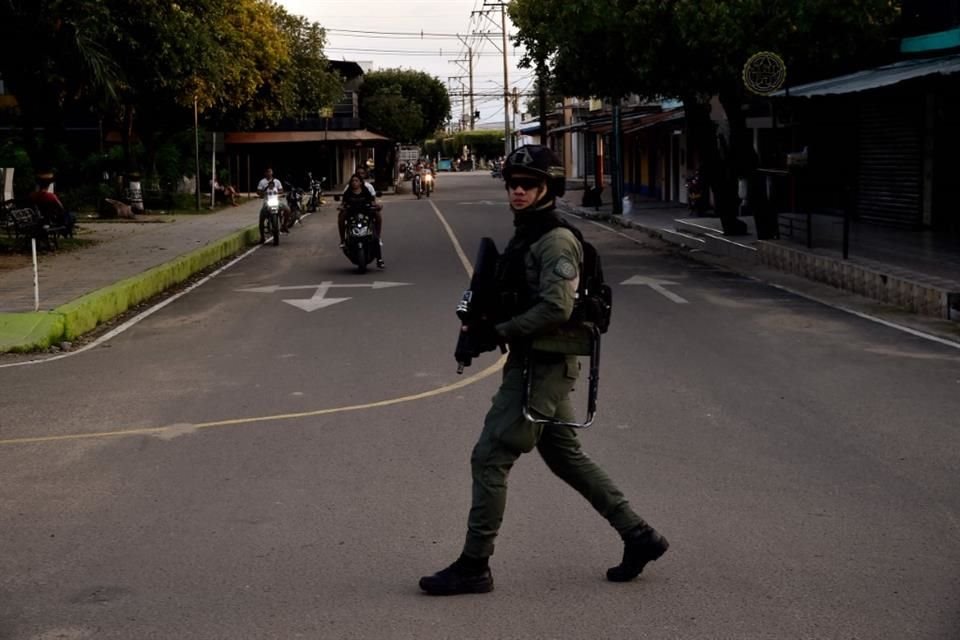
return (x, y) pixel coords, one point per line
(25, 223)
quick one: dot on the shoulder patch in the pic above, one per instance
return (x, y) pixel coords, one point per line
(565, 269)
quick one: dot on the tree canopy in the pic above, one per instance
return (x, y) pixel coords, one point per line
(684, 48)
(484, 143)
(142, 63)
(695, 49)
(407, 106)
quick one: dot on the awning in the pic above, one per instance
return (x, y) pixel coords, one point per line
(629, 124)
(529, 130)
(283, 137)
(575, 126)
(876, 78)
(655, 119)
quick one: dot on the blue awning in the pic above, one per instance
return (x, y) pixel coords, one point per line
(876, 78)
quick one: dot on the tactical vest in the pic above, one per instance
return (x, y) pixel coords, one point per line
(511, 275)
(594, 297)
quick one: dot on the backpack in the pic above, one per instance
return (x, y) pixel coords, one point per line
(594, 301)
(594, 298)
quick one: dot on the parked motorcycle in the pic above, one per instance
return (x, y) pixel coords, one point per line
(295, 202)
(270, 215)
(316, 193)
(417, 185)
(696, 197)
(360, 243)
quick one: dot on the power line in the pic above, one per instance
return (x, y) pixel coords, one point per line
(407, 52)
(393, 33)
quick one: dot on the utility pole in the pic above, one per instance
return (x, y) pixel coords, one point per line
(470, 73)
(507, 136)
(472, 112)
(616, 134)
(463, 98)
(507, 141)
(542, 98)
(196, 147)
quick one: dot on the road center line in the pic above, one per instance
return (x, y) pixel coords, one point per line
(489, 371)
(236, 422)
(456, 243)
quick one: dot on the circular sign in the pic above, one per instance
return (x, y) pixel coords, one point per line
(764, 73)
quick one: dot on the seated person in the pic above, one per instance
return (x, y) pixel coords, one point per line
(362, 173)
(50, 207)
(227, 192)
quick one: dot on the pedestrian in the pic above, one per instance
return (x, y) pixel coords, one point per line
(540, 269)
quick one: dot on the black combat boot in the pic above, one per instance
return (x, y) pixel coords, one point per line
(640, 546)
(465, 575)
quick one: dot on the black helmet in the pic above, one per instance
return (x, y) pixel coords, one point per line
(538, 160)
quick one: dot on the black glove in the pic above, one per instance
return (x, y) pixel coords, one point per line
(484, 336)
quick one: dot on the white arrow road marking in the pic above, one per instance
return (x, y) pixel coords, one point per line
(319, 300)
(377, 284)
(657, 285)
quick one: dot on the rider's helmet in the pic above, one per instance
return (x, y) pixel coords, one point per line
(540, 161)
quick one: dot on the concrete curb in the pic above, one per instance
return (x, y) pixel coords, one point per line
(23, 332)
(927, 327)
(620, 221)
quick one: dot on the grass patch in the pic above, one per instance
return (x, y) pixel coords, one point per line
(10, 247)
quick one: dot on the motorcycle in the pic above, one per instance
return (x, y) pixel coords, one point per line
(295, 202)
(696, 198)
(495, 171)
(417, 185)
(360, 242)
(428, 185)
(316, 193)
(270, 216)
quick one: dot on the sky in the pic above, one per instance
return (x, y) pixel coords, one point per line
(391, 39)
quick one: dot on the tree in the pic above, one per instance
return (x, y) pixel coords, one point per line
(483, 143)
(695, 49)
(551, 97)
(294, 78)
(404, 105)
(314, 86)
(53, 60)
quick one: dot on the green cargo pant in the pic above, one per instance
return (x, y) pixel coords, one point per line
(506, 435)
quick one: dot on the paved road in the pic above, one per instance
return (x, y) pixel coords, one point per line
(236, 466)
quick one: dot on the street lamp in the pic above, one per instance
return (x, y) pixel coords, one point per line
(196, 149)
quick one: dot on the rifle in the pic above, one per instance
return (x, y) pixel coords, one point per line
(477, 308)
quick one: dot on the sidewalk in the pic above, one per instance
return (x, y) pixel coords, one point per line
(131, 262)
(914, 272)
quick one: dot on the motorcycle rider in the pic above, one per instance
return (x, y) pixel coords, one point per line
(362, 172)
(270, 184)
(357, 194)
(536, 281)
(428, 177)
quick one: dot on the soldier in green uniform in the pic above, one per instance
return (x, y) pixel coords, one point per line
(539, 270)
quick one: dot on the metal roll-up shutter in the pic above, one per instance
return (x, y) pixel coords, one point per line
(891, 161)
